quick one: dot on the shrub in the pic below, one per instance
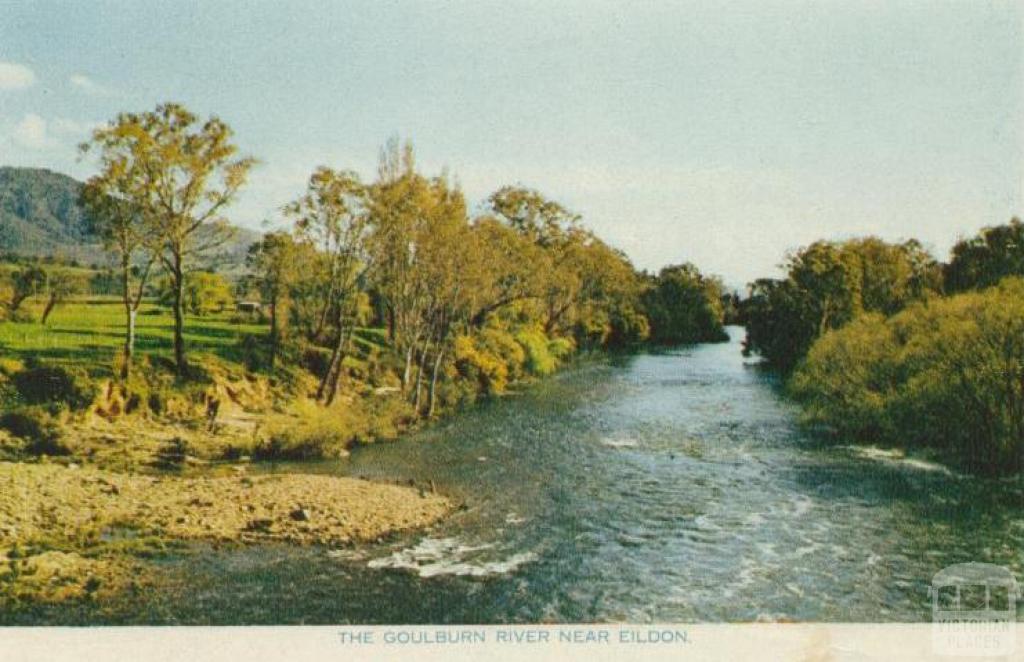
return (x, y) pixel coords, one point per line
(315, 434)
(851, 371)
(172, 454)
(10, 367)
(948, 374)
(476, 363)
(561, 348)
(47, 384)
(539, 359)
(37, 428)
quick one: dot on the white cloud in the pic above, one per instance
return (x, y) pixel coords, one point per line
(86, 84)
(32, 133)
(15, 76)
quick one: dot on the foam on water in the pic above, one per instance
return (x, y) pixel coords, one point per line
(346, 554)
(801, 505)
(619, 442)
(895, 457)
(432, 557)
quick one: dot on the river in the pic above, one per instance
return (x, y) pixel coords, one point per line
(673, 486)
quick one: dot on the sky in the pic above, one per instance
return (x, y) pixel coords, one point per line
(719, 133)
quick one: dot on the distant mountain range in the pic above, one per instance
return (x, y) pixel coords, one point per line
(40, 215)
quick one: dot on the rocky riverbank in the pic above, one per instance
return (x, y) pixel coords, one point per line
(69, 531)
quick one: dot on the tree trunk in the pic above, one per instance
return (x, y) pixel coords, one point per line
(433, 382)
(408, 367)
(178, 277)
(334, 365)
(389, 315)
(322, 317)
(274, 332)
(129, 311)
(50, 303)
(16, 300)
(419, 376)
(129, 343)
(335, 383)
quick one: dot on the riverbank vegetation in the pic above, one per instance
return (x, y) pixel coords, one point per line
(371, 306)
(882, 343)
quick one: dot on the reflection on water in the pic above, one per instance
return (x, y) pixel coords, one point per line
(660, 487)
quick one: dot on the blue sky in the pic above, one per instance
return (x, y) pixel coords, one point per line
(722, 133)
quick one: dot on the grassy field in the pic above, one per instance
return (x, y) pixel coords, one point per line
(89, 333)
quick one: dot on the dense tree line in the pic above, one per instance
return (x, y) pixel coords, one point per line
(948, 374)
(828, 284)
(475, 300)
(684, 306)
(883, 343)
(464, 300)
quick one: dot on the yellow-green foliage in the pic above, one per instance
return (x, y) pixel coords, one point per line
(310, 431)
(540, 360)
(490, 358)
(493, 356)
(9, 366)
(948, 373)
(561, 348)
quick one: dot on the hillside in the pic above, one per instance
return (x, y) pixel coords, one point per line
(40, 215)
(39, 212)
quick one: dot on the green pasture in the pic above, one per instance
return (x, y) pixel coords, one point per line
(90, 332)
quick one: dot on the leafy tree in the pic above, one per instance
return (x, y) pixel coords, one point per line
(205, 292)
(119, 222)
(276, 264)
(684, 306)
(449, 271)
(403, 206)
(559, 264)
(893, 276)
(24, 283)
(506, 272)
(986, 258)
(543, 221)
(332, 217)
(61, 284)
(178, 174)
(828, 285)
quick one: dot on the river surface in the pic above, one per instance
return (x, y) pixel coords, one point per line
(674, 486)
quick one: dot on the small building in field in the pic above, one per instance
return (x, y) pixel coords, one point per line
(251, 307)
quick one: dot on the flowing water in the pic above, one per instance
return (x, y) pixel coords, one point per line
(674, 486)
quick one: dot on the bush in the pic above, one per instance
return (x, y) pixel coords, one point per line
(485, 359)
(10, 367)
(54, 384)
(852, 372)
(314, 434)
(37, 428)
(540, 360)
(173, 454)
(948, 375)
(561, 348)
